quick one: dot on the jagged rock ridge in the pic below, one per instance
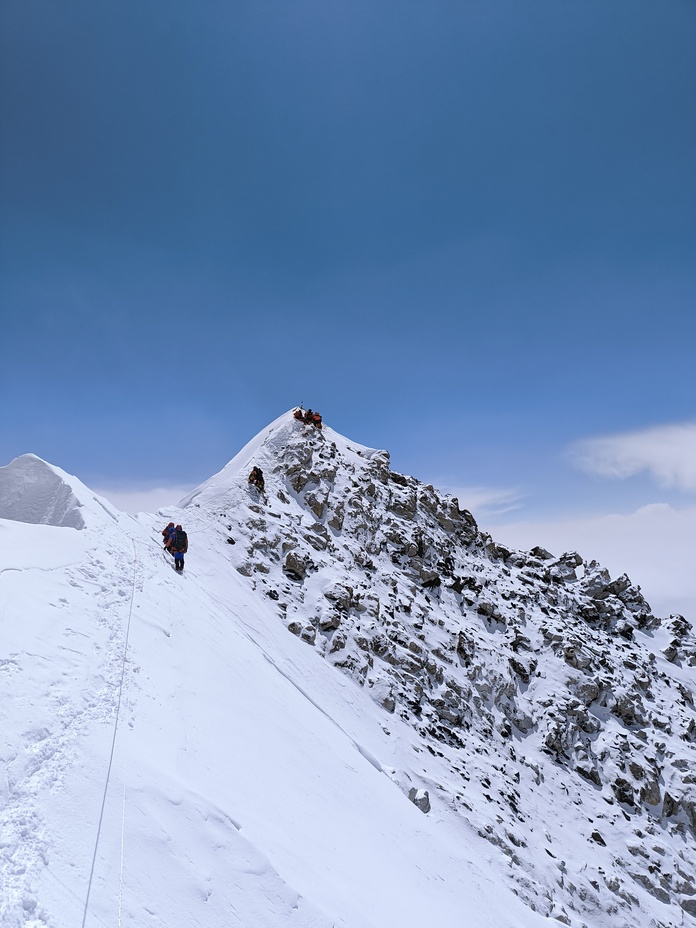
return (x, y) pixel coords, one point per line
(538, 679)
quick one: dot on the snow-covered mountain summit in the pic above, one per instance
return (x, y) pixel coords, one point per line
(536, 681)
(267, 449)
(353, 709)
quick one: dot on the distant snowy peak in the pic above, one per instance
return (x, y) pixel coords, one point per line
(34, 491)
(267, 447)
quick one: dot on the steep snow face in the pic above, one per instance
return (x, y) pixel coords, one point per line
(556, 712)
(39, 493)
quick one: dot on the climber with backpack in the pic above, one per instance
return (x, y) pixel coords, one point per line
(167, 532)
(316, 420)
(256, 479)
(177, 545)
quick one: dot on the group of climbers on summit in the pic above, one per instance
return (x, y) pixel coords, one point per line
(176, 542)
(308, 417)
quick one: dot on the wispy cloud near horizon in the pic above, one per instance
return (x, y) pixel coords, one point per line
(484, 500)
(665, 452)
(137, 499)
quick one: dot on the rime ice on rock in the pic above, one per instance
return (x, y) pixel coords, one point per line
(33, 491)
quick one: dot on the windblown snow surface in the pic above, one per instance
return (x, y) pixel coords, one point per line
(352, 710)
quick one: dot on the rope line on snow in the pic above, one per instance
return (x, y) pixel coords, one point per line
(70, 891)
(111, 756)
(200, 528)
(123, 804)
(197, 530)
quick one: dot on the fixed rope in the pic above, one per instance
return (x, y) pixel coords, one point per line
(123, 807)
(111, 758)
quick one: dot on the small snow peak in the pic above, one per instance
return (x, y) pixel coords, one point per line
(279, 446)
(33, 491)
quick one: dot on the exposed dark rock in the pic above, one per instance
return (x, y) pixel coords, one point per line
(522, 671)
(420, 798)
(337, 516)
(653, 888)
(650, 793)
(623, 791)
(670, 806)
(575, 655)
(295, 566)
(671, 652)
(329, 621)
(398, 478)
(589, 773)
(432, 581)
(629, 708)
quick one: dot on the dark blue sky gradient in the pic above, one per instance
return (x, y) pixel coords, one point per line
(476, 217)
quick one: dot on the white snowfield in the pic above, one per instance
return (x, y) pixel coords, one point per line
(252, 783)
(352, 710)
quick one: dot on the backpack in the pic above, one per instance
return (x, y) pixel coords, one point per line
(179, 540)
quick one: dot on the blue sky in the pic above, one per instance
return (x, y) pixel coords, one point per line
(464, 231)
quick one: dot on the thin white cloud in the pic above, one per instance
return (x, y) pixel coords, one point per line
(654, 545)
(666, 452)
(484, 500)
(135, 499)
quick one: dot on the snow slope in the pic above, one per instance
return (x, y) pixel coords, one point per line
(257, 780)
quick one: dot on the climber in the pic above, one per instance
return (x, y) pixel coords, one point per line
(299, 414)
(316, 420)
(177, 545)
(308, 417)
(167, 532)
(256, 478)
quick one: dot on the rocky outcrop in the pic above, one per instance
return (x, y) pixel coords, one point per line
(539, 679)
